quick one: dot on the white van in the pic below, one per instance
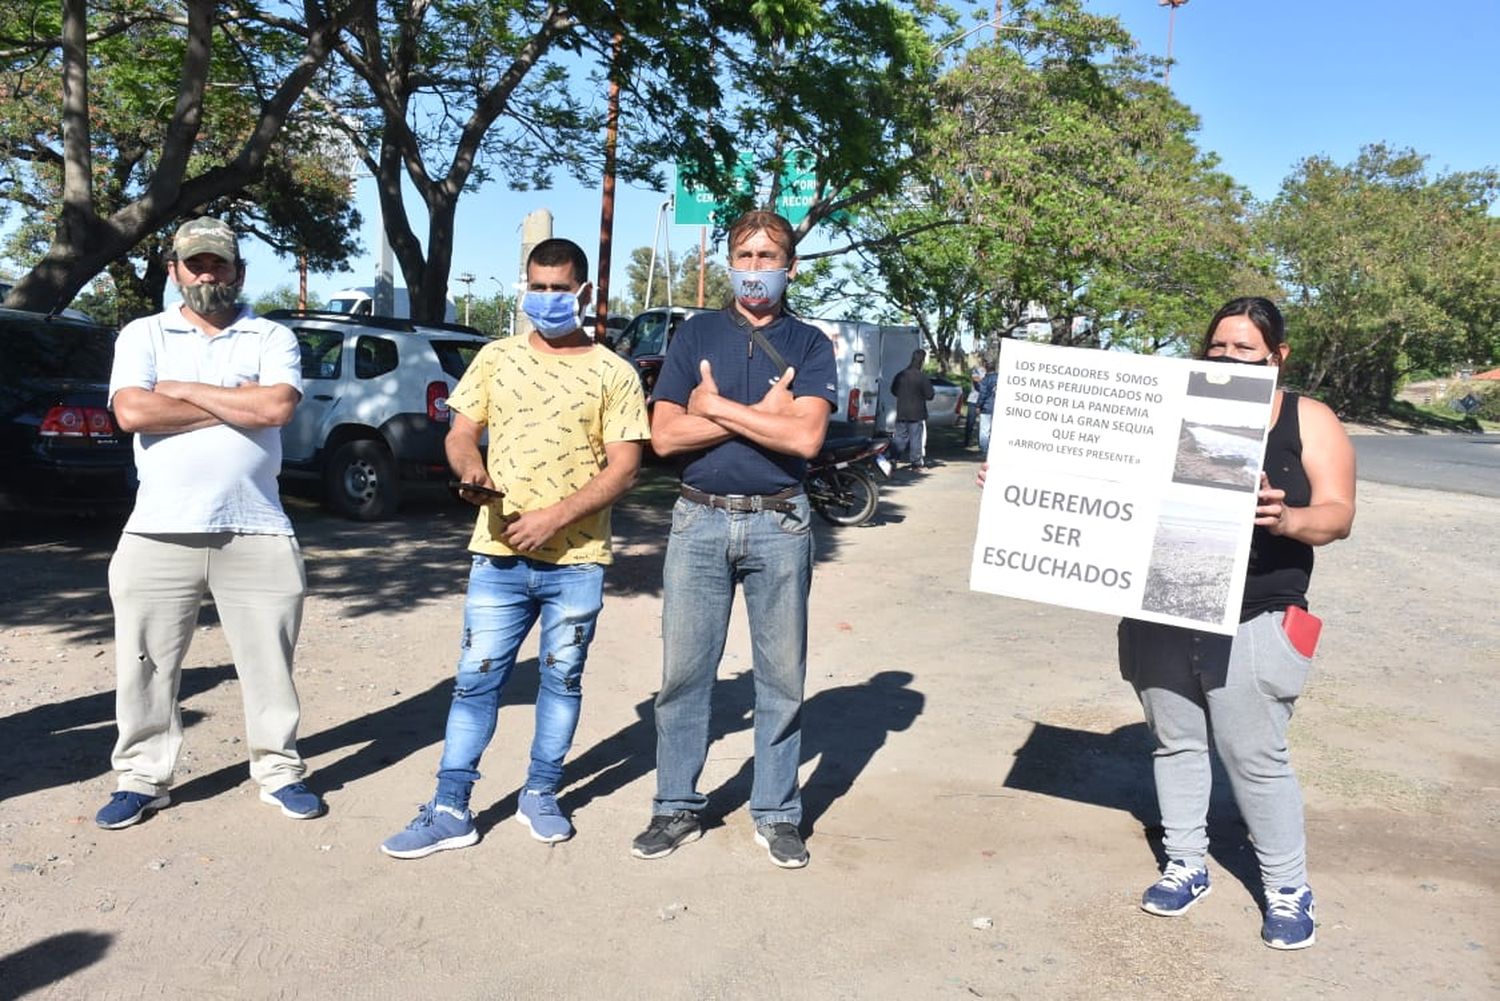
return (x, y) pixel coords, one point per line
(856, 352)
(360, 301)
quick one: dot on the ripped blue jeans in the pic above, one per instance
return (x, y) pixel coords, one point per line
(507, 594)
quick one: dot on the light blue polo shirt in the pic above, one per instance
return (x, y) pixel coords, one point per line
(213, 479)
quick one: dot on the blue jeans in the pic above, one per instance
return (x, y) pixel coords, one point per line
(711, 553)
(506, 596)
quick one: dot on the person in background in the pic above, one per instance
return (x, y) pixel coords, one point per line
(971, 414)
(986, 404)
(912, 389)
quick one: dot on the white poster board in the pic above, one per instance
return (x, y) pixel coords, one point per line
(1123, 484)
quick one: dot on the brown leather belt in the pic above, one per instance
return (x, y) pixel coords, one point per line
(744, 502)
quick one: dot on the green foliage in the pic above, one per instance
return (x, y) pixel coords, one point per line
(180, 114)
(684, 282)
(1059, 178)
(285, 297)
(1389, 271)
(492, 314)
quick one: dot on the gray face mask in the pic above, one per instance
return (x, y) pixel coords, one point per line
(211, 299)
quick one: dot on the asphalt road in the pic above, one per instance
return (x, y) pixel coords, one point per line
(1461, 463)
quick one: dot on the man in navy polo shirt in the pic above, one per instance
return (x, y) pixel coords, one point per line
(743, 397)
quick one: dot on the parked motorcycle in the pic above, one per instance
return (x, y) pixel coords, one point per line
(840, 485)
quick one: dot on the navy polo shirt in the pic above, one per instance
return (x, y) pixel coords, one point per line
(745, 373)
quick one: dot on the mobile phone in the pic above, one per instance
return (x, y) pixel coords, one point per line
(475, 488)
(1302, 629)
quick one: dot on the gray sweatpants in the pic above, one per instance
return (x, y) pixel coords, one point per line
(156, 583)
(909, 441)
(1241, 689)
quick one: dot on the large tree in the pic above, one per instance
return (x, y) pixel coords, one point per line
(134, 115)
(470, 91)
(1388, 270)
(1059, 178)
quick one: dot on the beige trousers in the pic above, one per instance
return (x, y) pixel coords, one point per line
(156, 583)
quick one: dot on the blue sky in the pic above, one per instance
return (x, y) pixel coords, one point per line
(1273, 81)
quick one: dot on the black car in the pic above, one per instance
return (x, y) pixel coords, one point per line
(59, 446)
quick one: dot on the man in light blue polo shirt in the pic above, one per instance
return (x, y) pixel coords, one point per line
(206, 386)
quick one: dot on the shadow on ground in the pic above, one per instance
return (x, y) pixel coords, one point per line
(1114, 770)
(50, 961)
(67, 742)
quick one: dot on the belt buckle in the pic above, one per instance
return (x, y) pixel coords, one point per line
(757, 503)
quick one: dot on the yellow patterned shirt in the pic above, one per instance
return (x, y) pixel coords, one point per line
(549, 418)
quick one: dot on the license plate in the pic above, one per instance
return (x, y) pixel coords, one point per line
(883, 464)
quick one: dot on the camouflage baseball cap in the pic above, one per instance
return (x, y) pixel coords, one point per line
(205, 235)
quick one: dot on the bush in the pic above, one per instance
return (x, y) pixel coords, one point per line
(1487, 392)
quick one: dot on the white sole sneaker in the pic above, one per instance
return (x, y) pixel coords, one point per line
(554, 839)
(795, 863)
(457, 841)
(1164, 913)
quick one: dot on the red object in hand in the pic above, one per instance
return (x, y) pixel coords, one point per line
(1302, 629)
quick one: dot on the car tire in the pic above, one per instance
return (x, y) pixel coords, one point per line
(359, 481)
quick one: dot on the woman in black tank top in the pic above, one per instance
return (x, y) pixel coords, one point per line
(1239, 692)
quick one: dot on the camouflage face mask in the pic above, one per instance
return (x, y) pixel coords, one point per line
(208, 300)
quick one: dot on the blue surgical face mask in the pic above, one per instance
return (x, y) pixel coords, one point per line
(553, 314)
(758, 289)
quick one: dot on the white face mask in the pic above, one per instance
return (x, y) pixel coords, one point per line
(758, 290)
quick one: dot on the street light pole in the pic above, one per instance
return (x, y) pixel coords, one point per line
(467, 280)
(1171, 22)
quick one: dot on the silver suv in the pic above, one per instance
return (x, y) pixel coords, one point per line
(374, 408)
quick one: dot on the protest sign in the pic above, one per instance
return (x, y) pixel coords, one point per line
(1123, 484)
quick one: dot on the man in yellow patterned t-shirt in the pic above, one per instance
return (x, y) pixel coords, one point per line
(566, 419)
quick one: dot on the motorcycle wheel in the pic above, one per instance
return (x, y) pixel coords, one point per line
(852, 497)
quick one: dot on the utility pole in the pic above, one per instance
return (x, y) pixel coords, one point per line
(1171, 22)
(607, 201)
(467, 281)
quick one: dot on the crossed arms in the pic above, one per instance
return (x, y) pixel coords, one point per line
(172, 407)
(779, 421)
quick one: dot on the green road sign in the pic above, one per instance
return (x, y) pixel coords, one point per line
(799, 186)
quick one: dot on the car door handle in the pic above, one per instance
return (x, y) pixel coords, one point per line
(322, 396)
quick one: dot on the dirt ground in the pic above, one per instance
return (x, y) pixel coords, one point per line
(977, 786)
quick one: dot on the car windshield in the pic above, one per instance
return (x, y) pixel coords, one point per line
(649, 335)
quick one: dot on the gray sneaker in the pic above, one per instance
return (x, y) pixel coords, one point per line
(666, 833)
(783, 842)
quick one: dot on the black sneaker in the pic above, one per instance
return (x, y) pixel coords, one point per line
(783, 842)
(666, 833)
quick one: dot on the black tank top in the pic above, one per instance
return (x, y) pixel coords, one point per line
(1280, 568)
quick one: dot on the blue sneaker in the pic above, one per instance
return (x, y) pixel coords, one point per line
(126, 808)
(1289, 918)
(296, 801)
(539, 811)
(1180, 887)
(435, 829)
